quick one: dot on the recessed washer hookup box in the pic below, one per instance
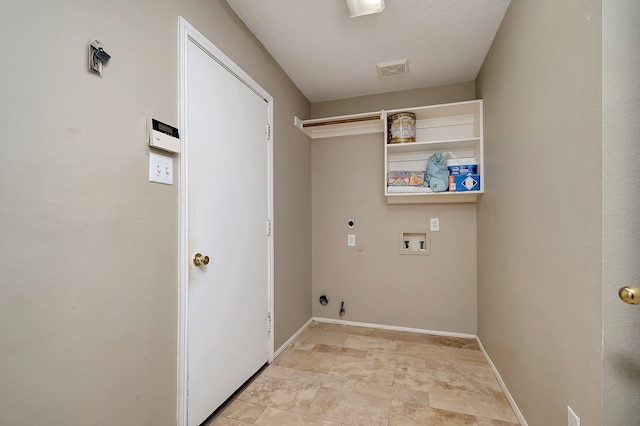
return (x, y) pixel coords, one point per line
(464, 183)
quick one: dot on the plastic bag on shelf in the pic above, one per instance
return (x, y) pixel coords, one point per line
(437, 173)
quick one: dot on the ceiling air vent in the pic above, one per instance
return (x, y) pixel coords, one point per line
(393, 68)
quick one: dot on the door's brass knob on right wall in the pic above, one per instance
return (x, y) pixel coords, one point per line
(630, 295)
(199, 259)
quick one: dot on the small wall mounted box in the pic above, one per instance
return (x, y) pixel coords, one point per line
(162, 136)
(414, 242)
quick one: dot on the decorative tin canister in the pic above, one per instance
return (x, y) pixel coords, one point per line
(402, 127)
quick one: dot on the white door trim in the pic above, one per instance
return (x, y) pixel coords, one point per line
(187, 34)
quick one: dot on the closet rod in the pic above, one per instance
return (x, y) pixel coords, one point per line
(342, 121)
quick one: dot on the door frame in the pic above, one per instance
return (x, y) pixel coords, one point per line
(189, 34)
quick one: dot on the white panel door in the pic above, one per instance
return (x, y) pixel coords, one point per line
(621, 210)
(228, 208)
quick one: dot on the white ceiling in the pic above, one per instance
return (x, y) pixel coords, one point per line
(331, 56)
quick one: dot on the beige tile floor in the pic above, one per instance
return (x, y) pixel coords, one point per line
(344, 375)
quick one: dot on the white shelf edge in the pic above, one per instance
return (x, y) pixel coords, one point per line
(440, 197)
(425, 145)
(436, 106)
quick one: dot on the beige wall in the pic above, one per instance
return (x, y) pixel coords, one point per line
(540, 221)
(88, 252)
(436, 292)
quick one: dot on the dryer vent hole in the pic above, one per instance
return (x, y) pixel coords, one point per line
(324, 300)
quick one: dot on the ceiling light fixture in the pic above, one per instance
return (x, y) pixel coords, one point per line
(364, 7)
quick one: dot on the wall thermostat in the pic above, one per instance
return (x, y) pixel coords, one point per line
(162, 136)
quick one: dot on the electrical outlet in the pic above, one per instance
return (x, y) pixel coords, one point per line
(351, 240)
(573, 419)
(435, 224)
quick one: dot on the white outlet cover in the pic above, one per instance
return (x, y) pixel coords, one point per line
(573, 419)
(160, 168)
(351, 240)
(435, 224)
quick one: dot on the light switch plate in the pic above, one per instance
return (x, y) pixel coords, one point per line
(351, 240)
(435, 224)
(160, 168)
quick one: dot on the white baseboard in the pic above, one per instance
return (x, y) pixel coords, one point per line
(512, 402)
(396, 328)
(291, 339)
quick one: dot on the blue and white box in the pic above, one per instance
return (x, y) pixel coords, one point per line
(462, 166)
(464, 183)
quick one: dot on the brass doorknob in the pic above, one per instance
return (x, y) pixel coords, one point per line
(630, 295)
(199, 259)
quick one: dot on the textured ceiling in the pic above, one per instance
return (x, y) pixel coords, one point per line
(331, 56)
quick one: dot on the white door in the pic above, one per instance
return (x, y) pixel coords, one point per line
(621, 210)
(228, 201)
